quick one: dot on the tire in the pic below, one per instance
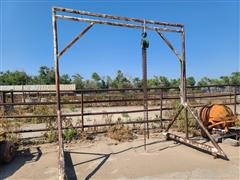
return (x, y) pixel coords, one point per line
(7, 151)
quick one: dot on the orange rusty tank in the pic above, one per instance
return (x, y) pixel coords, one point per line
(216, 116)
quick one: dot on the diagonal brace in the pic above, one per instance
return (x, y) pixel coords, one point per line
(75, 39)
(169, 45)
(207, 133)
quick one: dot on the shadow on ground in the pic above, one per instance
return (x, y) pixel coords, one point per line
(70, 171)
(21, 158)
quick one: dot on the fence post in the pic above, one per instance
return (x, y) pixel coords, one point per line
(235, 100)
(12, 97)
(161, 102)
(82, 111)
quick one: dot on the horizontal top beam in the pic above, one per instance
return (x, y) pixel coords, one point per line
(116, 17)
(139, 26)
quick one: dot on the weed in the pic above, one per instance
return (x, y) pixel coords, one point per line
(9, 127)
(51, 136)
(69, 134)
(125, 115)
(72, 108)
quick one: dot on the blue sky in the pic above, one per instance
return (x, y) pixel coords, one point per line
(212, 38)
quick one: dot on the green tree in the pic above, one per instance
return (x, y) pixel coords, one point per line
(78, 81)
(154, 82)
(204, 81)
(65, 79)
(191, 81)
(235, 78)
(46, 75)
(14, 78)
(175, 82)
(99, 83)
(136, 82)
(164, 82)
(96, 77)
(121, 81)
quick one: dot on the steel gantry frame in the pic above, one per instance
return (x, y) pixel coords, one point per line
(120, 21)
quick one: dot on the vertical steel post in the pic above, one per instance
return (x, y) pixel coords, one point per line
(145, 96)
(161, 103)
(3, 97)
(61, 160)
(183, 82)
(12, 96)
(235, 100)
(82, 111)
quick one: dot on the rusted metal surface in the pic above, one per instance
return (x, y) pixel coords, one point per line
(119, 100)
(161, 107)
(75, 39)
(145, 95)
(92, 125)
(61, 160)
(235, 100)
(200, 146)
(206, 131)
(74, 11)
(216, 116)
(82, 111)
(184, 82)
(169, 45)
(97, 113)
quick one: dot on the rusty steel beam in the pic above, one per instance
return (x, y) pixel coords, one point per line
(199, 146)
(206, 131)
(89, 126)
(161, 108)
(122, 100)
(82, 111)
(145, 95)
(61, 160)
(75, 39)
(235, 100)
(108, 16)
(116, 23)
(169, 45)
(184, 82)
(99, 113)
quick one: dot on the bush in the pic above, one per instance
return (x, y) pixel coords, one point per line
(69, 134)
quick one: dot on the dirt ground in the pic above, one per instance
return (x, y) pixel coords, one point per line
(106, 159)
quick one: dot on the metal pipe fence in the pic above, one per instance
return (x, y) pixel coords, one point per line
(160, 95)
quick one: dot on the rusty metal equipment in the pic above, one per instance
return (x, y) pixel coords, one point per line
(120, 21)
(217, 118)
(7, 149)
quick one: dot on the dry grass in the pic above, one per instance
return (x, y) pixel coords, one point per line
(120, 132)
